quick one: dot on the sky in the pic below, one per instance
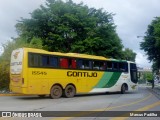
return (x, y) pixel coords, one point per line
(132, 18)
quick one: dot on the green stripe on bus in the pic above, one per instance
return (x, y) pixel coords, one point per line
(104, 80)
(108, 79)
(113, 79)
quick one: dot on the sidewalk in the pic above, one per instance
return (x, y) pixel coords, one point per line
(155, 90)
(10, 94)
(7, 93)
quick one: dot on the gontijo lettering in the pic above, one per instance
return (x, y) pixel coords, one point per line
(16, 63)
(81, 74)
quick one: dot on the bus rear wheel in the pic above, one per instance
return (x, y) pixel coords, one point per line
(69, 91)
(123, 89)
(56, 92)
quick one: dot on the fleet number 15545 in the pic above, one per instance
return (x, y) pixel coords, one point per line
(39, 73)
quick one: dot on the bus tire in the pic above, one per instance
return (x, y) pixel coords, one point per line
(123, 89)
(56, 92)
(69, 91)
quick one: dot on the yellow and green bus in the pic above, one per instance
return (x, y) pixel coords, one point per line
(40, 72)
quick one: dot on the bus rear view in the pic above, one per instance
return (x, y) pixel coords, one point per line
(16, 71)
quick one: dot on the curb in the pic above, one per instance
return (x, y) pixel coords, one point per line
(12, 94)
(155, 91)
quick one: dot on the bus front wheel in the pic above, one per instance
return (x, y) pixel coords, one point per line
(56, 92)
(69, 91)
(123, 89)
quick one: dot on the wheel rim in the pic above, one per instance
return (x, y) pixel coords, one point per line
(69, 91)
(56, 92)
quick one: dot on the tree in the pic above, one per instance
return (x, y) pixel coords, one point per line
(69, 27)
(65, 27)
(5, 64)
(5, 61)
(155, 67)
(151, 42)
(129, 54)
(5, 57)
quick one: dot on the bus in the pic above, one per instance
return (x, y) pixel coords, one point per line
(40, 72)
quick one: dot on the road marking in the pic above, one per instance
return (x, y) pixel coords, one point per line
(104, 109)
(138, 101)
(139, 111)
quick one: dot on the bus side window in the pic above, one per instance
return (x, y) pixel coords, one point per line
(63, 63)
(87, 64)
(49, 61)
(126, 67)
(31, 60)
(102, 66)
(95, 65)
(35, 60)
(80, 64)
(115, 66)
(133, 66)
(109, 65)
(99, 65)
(123, 67)
(45, 61)
(72, 63)
(84, 64)
(53, 61)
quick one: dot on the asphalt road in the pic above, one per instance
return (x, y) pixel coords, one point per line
(142, 100)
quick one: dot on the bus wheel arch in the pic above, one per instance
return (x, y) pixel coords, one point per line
(70, 90)
(56, 91)
(124, 87)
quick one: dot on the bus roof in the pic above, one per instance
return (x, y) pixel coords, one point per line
(86, 56)
(117, 60)
(76, 55)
